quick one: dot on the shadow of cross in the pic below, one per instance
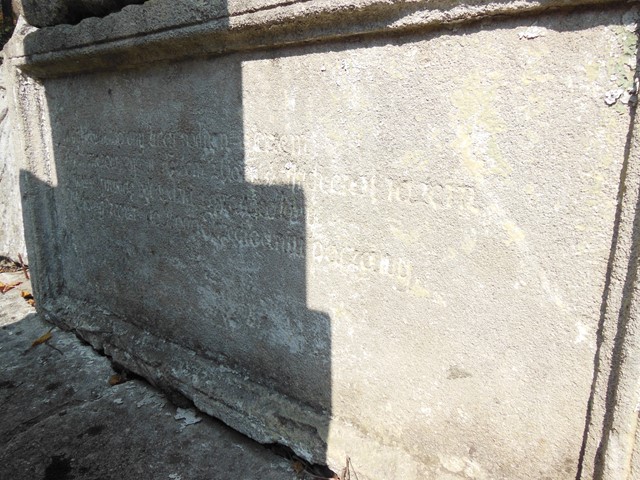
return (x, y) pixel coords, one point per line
(147, 237)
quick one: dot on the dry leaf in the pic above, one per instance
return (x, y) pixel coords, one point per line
(298, 467)
(5, 287)
(117, 379)
(28, 297)
(44, 338)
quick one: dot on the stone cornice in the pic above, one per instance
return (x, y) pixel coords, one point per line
(160, 30)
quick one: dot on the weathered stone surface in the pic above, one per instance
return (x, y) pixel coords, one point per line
(11, 230)
(161, 30)
(61, 419)
(397, 249)
(44, 13)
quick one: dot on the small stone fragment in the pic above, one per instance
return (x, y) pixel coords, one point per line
(187, 416)
(532, 32)
(612, 96)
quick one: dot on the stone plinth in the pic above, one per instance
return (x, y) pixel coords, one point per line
(407, 242)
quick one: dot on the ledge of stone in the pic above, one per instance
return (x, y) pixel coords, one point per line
(222, 391)
(161, 30)
(42, 13)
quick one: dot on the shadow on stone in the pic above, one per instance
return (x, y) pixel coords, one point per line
(148, 238)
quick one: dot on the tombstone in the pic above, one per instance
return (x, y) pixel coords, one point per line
(400, 233)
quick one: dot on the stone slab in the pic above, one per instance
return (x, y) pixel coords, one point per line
(392, 248)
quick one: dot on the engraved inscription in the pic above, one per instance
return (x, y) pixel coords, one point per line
(202, 139)
(357, 260)
(372, 188)
(279, 143)
(190, 183)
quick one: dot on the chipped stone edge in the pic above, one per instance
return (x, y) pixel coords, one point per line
(216, 389)
(141, 34)
(611, 442)
(228, 394)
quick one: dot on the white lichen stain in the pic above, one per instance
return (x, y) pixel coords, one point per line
(532, 32)
(621, 64)
(596, 190)
(582, 332)
(407, 236)
(478, 124)
(514, 233)
(426, 411)
(188, 417)
(452, 463)
(415, 159)
(553, 294)
(417, 290)
(529, 189)
(463, 416)
(531, 76)
(463, 466)
(612, 96)
(469, 241)
(341, 314)
(519, 284)
(291, 102)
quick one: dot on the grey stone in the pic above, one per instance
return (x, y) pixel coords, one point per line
(61, 419)
(396, 237)
(165, 30)
(11, 230)
(45, 13)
